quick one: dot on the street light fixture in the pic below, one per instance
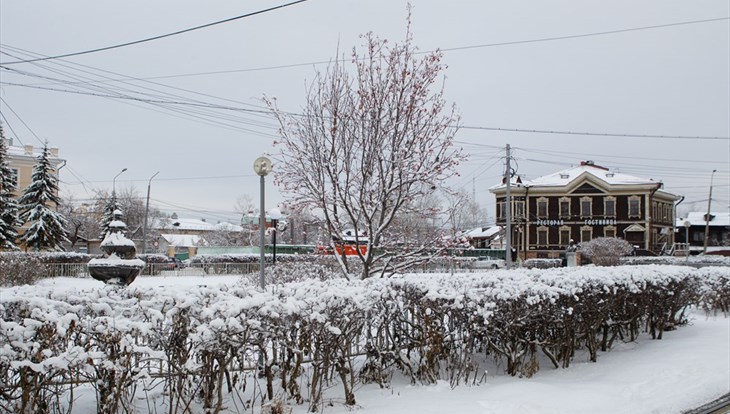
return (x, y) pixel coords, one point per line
(114, 183)
(707, 217)
(146, 213)
(262, 167)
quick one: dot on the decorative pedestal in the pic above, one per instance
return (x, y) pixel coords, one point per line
(119, 267)
(571, 259)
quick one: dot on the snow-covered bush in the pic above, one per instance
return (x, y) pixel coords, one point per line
(700, 260)
(63, 257)
(152, 262)
(18, 268)
(606, 251)
(301, 337)
(542, 263)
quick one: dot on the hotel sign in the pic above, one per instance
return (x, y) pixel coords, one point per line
(601, 222)
(588, 222)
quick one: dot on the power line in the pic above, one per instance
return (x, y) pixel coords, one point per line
(2, 115)
(85, 52)
(21, 121)
(603, 33)
(451, 49)
(599, 134)
(231, 108)
(622, 157)
(171, 107)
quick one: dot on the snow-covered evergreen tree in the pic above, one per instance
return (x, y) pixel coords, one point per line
(9, 220)
(47, 226)
(108, 215)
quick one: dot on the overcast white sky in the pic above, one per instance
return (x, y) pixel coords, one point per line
(667, 81)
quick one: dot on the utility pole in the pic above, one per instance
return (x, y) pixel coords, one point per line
(707, 217)
(508, 213)
(146, 213)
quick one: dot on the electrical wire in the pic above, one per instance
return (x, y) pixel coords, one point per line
(212, 118)
(10, 127)
(450, 49)
(21, 121)
(593, 134)
(100, 49)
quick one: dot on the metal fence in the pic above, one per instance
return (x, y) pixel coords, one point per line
(159, 269)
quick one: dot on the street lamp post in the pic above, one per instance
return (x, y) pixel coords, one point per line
(687, 225)
(262, 167)
(114, 184)
(146, 213)
(275, 215)
(707, 217)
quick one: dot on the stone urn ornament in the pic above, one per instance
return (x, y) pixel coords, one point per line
(119, 266)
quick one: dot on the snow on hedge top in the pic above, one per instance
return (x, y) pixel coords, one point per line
(220, 311)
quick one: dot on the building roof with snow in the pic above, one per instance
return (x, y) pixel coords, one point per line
(183, 240)
(586, 168)
(570, 179)
(697, 218)
(484, 232)
(184, 224)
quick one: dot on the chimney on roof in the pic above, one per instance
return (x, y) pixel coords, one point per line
(590, 163)
(28, 149)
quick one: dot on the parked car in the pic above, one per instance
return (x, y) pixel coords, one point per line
(173, 263)
(488, 263)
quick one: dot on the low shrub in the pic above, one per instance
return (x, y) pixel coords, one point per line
(18, 268)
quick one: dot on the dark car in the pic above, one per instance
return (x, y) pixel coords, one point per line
(173, 263)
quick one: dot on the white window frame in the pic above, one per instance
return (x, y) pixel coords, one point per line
(606, 200)
(543, 231)
(560, 207)
(519, 209)
(611, 229)
(589, 200)
(546, 202)
(636, 199)
(584, 229)
(561, 230)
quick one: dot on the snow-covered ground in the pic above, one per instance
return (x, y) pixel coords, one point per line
(689, 367)
(686, 369)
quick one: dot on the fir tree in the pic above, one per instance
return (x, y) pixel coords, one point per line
(108, 215)
(9, 220)
(47, 226)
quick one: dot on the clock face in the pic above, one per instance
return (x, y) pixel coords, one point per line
(262, 166)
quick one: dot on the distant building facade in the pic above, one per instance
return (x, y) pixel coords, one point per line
(691, 229)
(583, 203)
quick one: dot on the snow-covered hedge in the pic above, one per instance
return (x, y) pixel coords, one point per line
(205, 343)
(18, 268)
(542, 263)
(700, 260)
